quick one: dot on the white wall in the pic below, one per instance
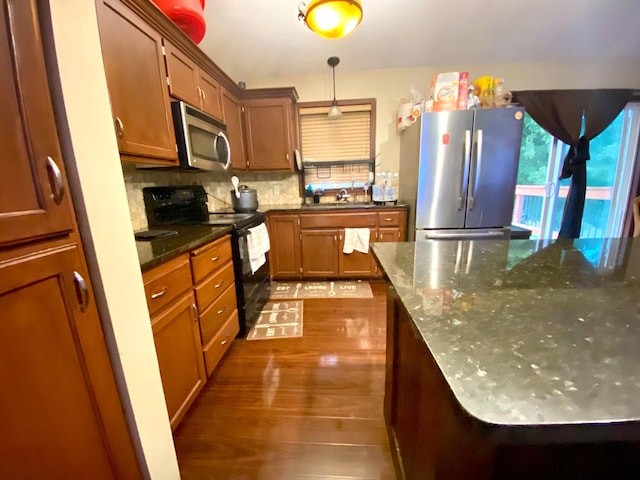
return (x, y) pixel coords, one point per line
(391, 87)
(93, 163)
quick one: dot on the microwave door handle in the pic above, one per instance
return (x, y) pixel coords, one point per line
(228, 150)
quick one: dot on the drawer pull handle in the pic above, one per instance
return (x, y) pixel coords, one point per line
(55, 179)
(119, 127)
(224, 341)
(218, 285)
(221, 310)
(195, 311)
(82, 291)
(387, 219)
(159, 294)
(215, 259)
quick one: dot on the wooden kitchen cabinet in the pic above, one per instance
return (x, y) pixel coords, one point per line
(319, 252)
(285, 256)
(232, 114)
(137, 83)
(35, 199)
(176, 334)
(270, 128)
(190, 83)
(60, 413)
(310, 244)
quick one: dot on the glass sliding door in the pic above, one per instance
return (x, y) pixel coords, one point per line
(540, 196)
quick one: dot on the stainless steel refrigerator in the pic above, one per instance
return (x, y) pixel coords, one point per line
(458, 173)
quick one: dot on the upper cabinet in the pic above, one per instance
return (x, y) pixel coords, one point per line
(137, 82)
(35, 200)
(190, 83)
(270, 127)
(232, 114)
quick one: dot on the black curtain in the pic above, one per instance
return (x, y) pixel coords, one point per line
(560, 113)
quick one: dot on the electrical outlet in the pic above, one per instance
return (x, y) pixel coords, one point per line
(276, 189)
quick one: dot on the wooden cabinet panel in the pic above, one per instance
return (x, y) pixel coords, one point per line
(212, 287)
(210, 257)
(216, 348)
(285, 256)
(177, 338)
(61, 415)
(356, 264)
(268, 127)
(183, 75)
(319, 253)
(213, 317)
(35, 201)
(339, 220)
(210, 93)
(189, 83)
(136, 78)
(232, 114)
(163, 284)
(389, 234)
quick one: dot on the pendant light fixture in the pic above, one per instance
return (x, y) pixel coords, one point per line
(334, 111)
(331, 18)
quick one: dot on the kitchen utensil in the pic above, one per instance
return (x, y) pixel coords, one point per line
(235, 181)
(244, 199)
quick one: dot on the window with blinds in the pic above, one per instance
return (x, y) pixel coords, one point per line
(337, 152)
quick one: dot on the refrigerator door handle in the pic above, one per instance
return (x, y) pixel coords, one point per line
(463, 236)
(465, 169)
(473, 176)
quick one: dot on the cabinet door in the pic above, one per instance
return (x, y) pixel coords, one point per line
(389, 234)
(60, 411)
(356, 264)
(232, 114)
(137, 82)
(34, 200)
(177, 337)
(210, 95)
(269, 134)
(320, 253)
(284, 237)
(183, 75)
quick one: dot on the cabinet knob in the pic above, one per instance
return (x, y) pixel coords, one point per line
(218, 285)
(215, 259)
(119, 127)
(221, 310)
(82, 292)
(224, 341)
(55, 179)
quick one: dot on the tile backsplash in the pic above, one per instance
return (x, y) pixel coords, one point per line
(217, 184)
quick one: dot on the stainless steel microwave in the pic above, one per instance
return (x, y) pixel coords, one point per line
(202, 140)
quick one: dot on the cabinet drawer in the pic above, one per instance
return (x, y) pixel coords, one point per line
(165, 283)
(220, 343)
(389, 219)
(214, 285)
(210, 257)
(339, 220)
(212, 318)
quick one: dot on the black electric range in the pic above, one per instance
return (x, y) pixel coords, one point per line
(187, 205)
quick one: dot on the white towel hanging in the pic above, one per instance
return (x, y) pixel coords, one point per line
(356, 239)
(257, 245)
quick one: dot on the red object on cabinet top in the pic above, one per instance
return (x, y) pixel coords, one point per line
(187, 15)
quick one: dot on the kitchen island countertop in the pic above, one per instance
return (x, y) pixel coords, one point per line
(536, 344)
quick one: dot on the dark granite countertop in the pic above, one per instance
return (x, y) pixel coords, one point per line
(152, 253)
(535, 342)
(339, 206)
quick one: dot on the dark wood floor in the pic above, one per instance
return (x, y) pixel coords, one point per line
(305, 408)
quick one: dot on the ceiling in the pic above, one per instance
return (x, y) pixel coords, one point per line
(263, 38)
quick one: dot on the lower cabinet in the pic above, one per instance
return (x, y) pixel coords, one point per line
(177, 337)
(194, 318)
(310, 244)
(60, 410)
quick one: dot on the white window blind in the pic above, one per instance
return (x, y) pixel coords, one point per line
(328, 139)
(343, 139)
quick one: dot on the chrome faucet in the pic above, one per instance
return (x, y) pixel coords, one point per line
(343, 195)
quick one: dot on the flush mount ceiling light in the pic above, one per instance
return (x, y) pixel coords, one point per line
(331, 18)
(334, 111)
